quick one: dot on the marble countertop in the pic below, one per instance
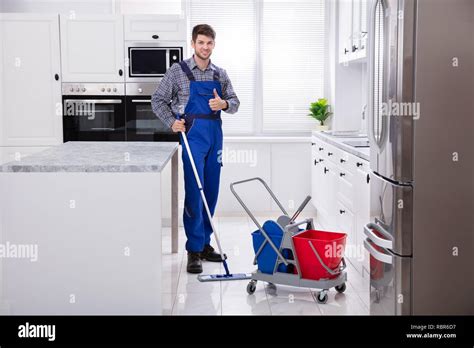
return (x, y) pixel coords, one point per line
(97, 157)
(361, 152)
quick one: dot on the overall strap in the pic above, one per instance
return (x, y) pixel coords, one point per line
(216, 75)
(186, 70)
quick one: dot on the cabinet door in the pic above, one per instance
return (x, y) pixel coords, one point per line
(345, 29)
(155, 27)
(31, 112)
(330, 173)
(361, 202)
(345, 224)
(92, 48)
(315, 175)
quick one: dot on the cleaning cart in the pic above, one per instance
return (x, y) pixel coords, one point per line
(288, 254)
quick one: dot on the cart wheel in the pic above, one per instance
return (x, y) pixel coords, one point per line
(341, 288)
(322, 297)
(251, 287)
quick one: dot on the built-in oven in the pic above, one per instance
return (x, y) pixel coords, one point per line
(141, 122)
(149, 61)
(93, 112)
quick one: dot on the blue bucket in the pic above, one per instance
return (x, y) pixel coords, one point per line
(267, 257)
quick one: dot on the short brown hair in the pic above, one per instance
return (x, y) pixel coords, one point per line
(203, 29)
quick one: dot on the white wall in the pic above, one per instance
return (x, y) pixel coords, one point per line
(93, 6)
(285, 166)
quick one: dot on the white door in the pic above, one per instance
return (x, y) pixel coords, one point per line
(92, 48)
(345, 30)
(31, 112)
(362, 204)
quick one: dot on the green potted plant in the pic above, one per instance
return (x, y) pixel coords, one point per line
(320, 111)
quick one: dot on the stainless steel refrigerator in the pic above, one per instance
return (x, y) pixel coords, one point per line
(421, 114)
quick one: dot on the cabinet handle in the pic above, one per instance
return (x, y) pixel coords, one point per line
(321, 160)
(342, 174)
(359, 164)
(342, 211)
(354, 48)
(342, 160)
(368, 178)
(312, 144)
(346, 51)
(56, 77)
(120, 72)
(155, 37)
(326, 170)
(315, 161)
(330, 153)
(320, 149)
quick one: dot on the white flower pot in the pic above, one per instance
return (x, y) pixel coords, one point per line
(322, 128)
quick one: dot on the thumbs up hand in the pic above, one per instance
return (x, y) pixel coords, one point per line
(217, 103)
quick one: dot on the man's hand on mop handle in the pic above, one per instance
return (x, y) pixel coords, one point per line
(178, 126)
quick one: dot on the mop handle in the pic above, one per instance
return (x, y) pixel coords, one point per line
(198, 180)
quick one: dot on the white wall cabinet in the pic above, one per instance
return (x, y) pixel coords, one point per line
(92, 48)
(352, 19)
(31, 113)
(341, 196)
(155, 27)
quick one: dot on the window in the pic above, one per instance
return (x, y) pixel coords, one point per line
(235, 26)
(273, 51)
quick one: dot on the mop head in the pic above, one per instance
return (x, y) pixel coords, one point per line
(219, 277)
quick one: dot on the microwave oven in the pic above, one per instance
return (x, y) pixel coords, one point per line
(148, 62)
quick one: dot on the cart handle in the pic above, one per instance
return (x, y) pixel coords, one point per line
(264, 184)
(330, 271)
(247, 210)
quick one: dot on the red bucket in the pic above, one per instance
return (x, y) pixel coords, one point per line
(330, 247)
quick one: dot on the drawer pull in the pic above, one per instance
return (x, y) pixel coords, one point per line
(330, 153)
(321, 149)
(342, 160)
(342, 211)
(326, 170)
(315, 161)
(342, 174)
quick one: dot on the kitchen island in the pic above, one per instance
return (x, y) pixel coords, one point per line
(80, 228)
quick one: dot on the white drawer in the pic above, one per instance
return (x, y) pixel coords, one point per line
(155, 28)
(333, 154)
(357, 163)
(344, 161)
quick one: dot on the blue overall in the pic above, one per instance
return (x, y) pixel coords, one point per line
(204, 133)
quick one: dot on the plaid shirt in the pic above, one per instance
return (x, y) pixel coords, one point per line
(172, 94)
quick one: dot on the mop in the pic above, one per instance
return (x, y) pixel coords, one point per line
(212, 277)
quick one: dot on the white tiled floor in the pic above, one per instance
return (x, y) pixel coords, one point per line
(183, 294)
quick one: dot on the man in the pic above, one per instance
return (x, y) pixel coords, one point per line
(190, 98)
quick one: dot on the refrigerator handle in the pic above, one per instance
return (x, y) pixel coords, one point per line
(371, 54)
(385, 258)
(386, 242)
